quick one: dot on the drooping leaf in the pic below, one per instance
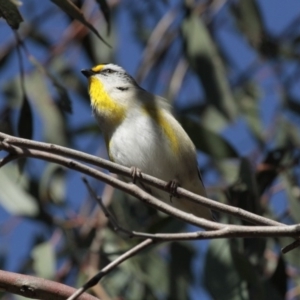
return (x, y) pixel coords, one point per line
(13, 195)
(53, 121)
(11, 14)
(221, 278)
(106, 12)
(52, 184)
(25, 122)
(180, 271)
(279, 278)
(249, 20)
(293, 194)
(292, 104)
(244, 192)
(206, 140)
(269, 168)
(249, 274)
(251, 23)
(44, 260)
(64, 100)
(71, 9)
(204, 59)
(248, 100)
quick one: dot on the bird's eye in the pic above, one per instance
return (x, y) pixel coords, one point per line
(110, 71)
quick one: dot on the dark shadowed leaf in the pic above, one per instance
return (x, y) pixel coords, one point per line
(293, 104)
(25, 122)
(206, 140)
(248, 273)
(221, 278)
(204, 59)
(10, 12)
(71, 9)
(279, 278)
(268, 169)
(39, 38)
(249, 20)
(293, 194)
(180, 271)
(244, 192)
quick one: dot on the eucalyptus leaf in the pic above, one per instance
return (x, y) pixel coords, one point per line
(206, 140)
(221, 278)
(44, 260)
(204, 59)
(13, 195)
(53, 121)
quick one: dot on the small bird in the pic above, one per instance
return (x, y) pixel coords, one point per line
(140, 131)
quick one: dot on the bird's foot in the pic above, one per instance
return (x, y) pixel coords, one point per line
(135, 173)
(171, 187)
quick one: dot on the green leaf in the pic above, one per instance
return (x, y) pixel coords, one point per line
(10, 12)
(251, 23)
(52, 184)
(52, 119)
(13, 195)
(249, 104)
(44, 261)
(221, 278)
(204, 59)
(207, 141)
(249, 20)
(71, 9)
(63, 97)
(106, 12)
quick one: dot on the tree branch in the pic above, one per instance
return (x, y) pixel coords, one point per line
(124, 171)
(95, 279)
(58, 154)
(36, 288)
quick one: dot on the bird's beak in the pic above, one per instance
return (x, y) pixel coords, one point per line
(87, 73)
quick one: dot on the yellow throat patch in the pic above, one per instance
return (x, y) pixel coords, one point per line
(111, 111)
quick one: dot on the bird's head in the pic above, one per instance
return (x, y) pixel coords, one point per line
(111, 91)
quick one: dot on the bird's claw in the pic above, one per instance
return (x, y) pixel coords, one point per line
(171, 187)
(135, 173)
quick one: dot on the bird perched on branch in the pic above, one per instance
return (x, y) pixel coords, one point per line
(140, 131)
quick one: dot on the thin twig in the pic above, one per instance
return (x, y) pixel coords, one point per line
(224, 231)
(95, 279)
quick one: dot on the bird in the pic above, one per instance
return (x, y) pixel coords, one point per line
(141, 132)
